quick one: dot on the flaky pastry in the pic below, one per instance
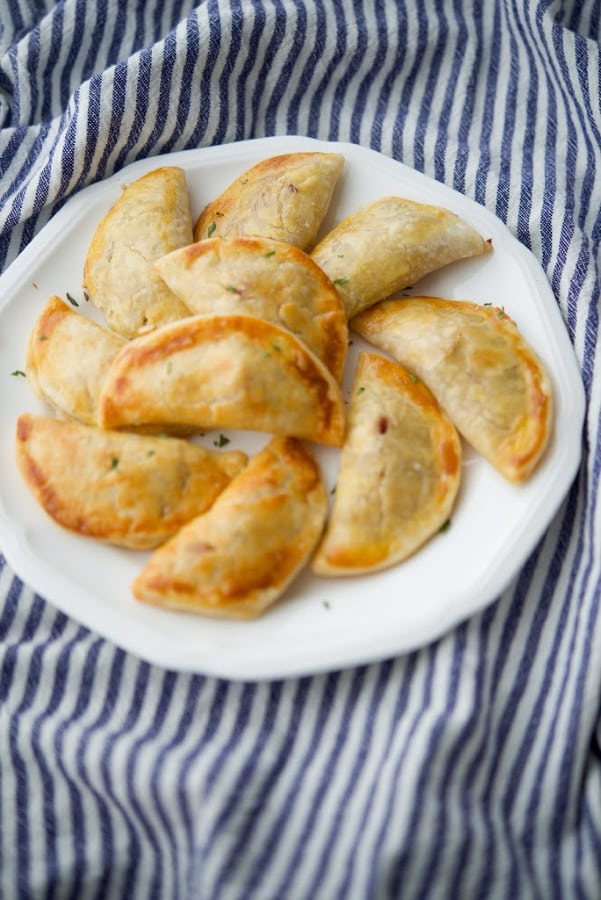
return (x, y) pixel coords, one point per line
(237, 559)
(486, 377)
(68, 356)
(128, 489)
(390, 245)
(229, 371)
(265, 278)
(282, 197)
(150, 218)
(399, 472)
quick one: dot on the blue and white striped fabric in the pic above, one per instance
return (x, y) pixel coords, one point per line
(468, 769)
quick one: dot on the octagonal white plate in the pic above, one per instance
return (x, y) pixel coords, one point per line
(320, 624)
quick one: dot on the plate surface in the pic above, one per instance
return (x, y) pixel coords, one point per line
(321, 624)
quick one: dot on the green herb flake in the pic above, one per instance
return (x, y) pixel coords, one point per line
(221, 441)
(487, 304)
(333, 491)
(341, 281)
(86, 296)
(42, 337)
(269, 253)
(501, 313)
(445, 526)
(413, 378)
(19, 372)
(114, 462)
(232, 289)
(277, 347)
(360, 389)
(211, 229)
(72, 300)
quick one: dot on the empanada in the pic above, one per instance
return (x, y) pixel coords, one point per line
(283, 197)
(150, 218)
(68, 356)
(389, 245)
(486, 377)
(127, 489)
(264, 278)
(399, 472)
(227, 371)
(239, 557)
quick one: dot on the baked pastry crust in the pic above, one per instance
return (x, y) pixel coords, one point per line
(151, 217)
(128, 489)
(237, 559)
(228, 371)
(68, 356)
(399, 473)
(486, 377)
(264, 278)
(389, 246)
(283, 197)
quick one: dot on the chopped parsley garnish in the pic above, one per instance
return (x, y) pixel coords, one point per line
(211, 229)
(270, 253)
(72, 300)
(114, 462)
(445, 526)
(18, 372)
(413, 378)
(341, 281)
(360, 389)
(221, 441)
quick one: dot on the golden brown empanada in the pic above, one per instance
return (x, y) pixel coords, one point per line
(389, 245)
(227, 371)
(486, 377)
(283, 197)
(150, 218)
(264, 278)
(399, 472)
(127, 489)
(68, 356)
(239, 557)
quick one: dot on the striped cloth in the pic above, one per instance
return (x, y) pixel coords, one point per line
(468, 769)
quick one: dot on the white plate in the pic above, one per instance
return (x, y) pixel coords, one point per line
(321, 624)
